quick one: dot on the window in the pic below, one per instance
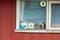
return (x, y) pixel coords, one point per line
(35, 18)
(54, 15)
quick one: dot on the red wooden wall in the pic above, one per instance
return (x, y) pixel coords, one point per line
(8, 24)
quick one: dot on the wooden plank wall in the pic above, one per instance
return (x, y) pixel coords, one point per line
(8, 24)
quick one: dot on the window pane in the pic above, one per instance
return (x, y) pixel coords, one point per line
(55, 15)
(33, 12)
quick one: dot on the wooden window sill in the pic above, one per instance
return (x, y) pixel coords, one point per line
(38, 31)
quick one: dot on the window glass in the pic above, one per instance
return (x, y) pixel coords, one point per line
(33, 12)
(55, 15)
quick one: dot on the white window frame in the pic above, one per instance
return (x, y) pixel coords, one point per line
(19, 10)
(52, 2)
(48, 18)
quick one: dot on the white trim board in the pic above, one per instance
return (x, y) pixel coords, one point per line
(38, 31)
(19, 12)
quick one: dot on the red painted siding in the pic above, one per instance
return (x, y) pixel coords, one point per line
(6, 19)
(0, 21)
(8, 24)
